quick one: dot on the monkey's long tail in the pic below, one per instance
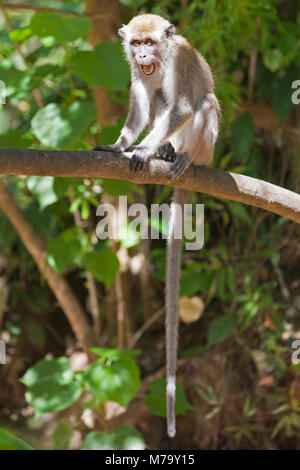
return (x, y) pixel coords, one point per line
(175, 235)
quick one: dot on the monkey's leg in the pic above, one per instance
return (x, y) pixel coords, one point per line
(180, 163)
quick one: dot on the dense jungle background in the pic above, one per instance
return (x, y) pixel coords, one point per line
(66, 87)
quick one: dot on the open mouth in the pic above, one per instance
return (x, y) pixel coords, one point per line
(148, 69)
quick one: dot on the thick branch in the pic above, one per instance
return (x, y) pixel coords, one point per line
(107, 165)
(57, 283)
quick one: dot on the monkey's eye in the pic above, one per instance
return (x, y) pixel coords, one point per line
(136, 42)
(149, 42)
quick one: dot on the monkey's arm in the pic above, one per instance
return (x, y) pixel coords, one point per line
(136, 121)
(170, 122)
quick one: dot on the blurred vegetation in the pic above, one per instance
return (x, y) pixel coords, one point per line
(239, 387)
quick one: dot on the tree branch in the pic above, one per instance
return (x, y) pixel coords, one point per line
(202, 179)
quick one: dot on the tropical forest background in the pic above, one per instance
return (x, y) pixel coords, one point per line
(66, 87)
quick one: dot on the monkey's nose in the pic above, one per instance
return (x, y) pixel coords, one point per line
(143, 56)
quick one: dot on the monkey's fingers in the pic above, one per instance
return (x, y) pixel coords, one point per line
(178, 166)
(137, 162)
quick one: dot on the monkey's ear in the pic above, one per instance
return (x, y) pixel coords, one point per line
(170, 31)
(122, 31)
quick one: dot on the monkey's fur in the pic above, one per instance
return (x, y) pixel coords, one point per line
(172, 90)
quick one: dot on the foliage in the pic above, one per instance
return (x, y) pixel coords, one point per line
(246, 273)
(9, 441)
(122, 438)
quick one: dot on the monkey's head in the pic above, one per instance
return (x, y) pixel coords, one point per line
(146, 41)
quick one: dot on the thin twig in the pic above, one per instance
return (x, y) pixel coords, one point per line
(146, 326)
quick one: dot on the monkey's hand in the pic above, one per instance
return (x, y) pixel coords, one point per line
(167, 152)
(178, 166)
(139, 158)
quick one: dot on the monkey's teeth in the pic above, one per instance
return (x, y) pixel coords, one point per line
(148, 69)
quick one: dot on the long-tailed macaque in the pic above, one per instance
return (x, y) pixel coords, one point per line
(172, 89)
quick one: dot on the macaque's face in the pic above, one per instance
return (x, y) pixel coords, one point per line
(146, 41)
(144, 49)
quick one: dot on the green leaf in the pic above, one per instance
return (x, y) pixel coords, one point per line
(156, 399)
(118, 187)
(62, 253)
(60, 28)
(221, 327)
(242, 136)
(43, 189)
(133, 3)
(281, 94)
(121, 438)
(115, 354)
(51, 385)
(104, 66)
(61, 185)
(17, 82)
(191, 283)
(103, 265)
(110, 133)
(19, 35)
(14, 138)
(57, 127)
(273, 59)
(49, 396)
(119, 382)
(61, 436)
(9, 441)
(57, 370)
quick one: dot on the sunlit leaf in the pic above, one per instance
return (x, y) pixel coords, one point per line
(119, 382)
(56, 127)
(104, 66)
(9, 441)
(121, 438)
(60, 28)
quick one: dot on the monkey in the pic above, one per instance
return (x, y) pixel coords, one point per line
(172, 90)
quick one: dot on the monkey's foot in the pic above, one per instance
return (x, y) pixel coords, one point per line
(167, 152)
(138, 159)
(180, 163)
